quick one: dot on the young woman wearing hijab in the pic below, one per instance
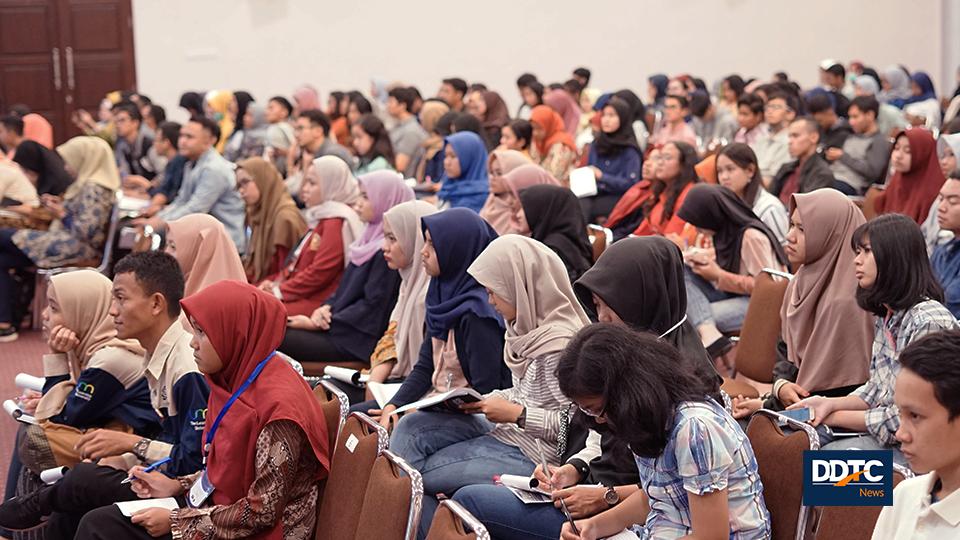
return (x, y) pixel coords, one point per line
(430, 164)
(204, 250)
(264, 460)
(518, 180)
(719, 282)
(313, 271)
(490, 109)
(238, 111)
(272, 217)
(827, 336)
(896, 284)
(527, 284)
(922, 108)
(464, 333)
(251, 141)
(739, 171)
(627, 215)
(553, 148)
(563, 103)
(305, 98)
(216, 107)
(675, 176)
(657, 90)
(372, 144)
(464, 181)
(44, 167)
(948, 152)
(79, 229)
(17, 192)
(500, 207)
(347, 327)
(638, 115)
(550, 214)
(615, 159)
(917, 179)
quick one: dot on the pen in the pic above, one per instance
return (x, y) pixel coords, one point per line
(563, 505)
(156, 465)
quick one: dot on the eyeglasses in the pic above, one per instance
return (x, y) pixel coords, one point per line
(592, 414)
(775, 107)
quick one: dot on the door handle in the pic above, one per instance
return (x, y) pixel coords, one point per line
(70, 79)
(57, 82)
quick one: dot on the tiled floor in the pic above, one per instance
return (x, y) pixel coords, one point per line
(23, 355)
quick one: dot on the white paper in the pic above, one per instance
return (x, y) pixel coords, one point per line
(520, 487)
(11, 408)
(129, 508)
(29, 382)
(583, 182)
(352, 442)
(623, 535)
(456, 396)
(347, 375)
(50, 476)
(383, 392)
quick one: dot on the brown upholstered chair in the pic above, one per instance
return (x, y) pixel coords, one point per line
(449, 520)
(780, 463)
(852, 522)
(600, 239)
(757, 348)
(335, 407)
(361, 441)
(869, 202)
(392, 503)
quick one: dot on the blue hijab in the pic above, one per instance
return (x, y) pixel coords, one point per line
(470, 189)
(659, 81)
(926, 88)
(459, 235)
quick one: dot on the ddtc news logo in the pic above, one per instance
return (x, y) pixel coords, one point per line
(848, 478)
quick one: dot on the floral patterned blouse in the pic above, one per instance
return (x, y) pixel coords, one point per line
(558, 161)
(79, 236)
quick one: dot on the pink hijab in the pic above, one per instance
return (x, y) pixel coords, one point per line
(384, 189)
(307, 98)
(562, 102)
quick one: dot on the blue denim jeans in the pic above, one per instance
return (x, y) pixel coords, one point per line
(707, 304)
(452, 451)
(506, 518)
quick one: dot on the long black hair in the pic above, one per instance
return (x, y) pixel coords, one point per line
(372, 126)
(688, 175)
(640, 377)
(904, 275)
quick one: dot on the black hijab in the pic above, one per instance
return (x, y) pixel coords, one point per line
(608, 144)
(52, 177)
(554, 216)
(244, 99)
(641, 279)
(192, 102)
(637, 109)
(720, 210)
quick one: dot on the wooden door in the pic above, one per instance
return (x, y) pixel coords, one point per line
(57, 56)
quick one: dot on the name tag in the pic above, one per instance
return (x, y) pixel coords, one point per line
(200, 491)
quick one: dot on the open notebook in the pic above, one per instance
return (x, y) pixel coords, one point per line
(129, 508)
(445, 402)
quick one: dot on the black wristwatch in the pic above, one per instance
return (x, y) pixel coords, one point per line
(611, 497)
(522, 419)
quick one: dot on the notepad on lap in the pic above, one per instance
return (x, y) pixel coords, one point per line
(521, 487)
(583, 182)
(383, 392)
(129, 508)
(445, 402)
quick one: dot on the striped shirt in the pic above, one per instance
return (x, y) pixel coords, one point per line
(539, 392)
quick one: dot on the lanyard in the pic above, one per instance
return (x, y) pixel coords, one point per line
(674, 327)
(246, 384)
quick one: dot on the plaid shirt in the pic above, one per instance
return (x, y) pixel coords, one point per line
(707, 452)
(893, 333)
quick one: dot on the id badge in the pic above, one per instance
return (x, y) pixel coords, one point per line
(200, 491)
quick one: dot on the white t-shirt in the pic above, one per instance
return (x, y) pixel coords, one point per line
(913, 517)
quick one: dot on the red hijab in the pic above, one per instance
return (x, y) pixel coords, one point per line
(245, 325)
(552, 124)
(912, 193)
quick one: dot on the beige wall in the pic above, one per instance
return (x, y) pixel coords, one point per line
(270, 46)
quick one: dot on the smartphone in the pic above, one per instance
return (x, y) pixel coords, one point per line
(805, 414)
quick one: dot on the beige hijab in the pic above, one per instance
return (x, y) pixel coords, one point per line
(828, 336)
(84, 299)
(92, 160)
(410, 310)
(275, 219)
(498, 208)
(531, 277)
(204, 250)
(339, 190)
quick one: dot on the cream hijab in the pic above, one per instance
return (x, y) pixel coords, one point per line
(84, 298)
(339, 190)
(498, 208)
(92, 160)
(410, 310)
(205, 252)
(530, 276)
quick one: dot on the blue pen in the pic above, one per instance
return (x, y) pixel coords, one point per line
(156, 465)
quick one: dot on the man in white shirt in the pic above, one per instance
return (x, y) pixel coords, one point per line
(927, 393)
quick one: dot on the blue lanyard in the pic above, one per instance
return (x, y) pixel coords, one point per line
(246, 384)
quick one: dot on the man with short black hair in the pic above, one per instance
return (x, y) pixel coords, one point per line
(147, 289)
(834, 130)
(133, 143)
(946, 257)
(525, 84)
(166, 185)
(452, 92)
(407, 134)
(280, 133)
(209, 184)
(750, 119)
(582, 75)
(11, 133)
(714, 127)
(312, 129)
(863, 159)
(771, 149)
(808, 171)
(834, 77)
(927, 394)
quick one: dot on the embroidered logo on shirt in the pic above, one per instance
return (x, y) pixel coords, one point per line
(85, 391)
(199, 419)
(848, 478)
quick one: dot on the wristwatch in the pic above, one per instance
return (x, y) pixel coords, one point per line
(611, 497)
(522, 419)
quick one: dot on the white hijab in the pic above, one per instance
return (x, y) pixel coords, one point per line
(339, 189)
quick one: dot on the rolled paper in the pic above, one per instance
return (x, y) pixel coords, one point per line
(50, 476)
(29, 382)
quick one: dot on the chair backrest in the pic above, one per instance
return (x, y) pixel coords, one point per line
(853, 522)
(780, 463)
(449, 520)
(600, 239)
(392, 503)
(358, 446)
(757, 350)
(328, 392)
(869, 202)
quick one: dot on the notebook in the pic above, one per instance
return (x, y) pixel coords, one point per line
(583, 182)
(445, 402)
(129, 508)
